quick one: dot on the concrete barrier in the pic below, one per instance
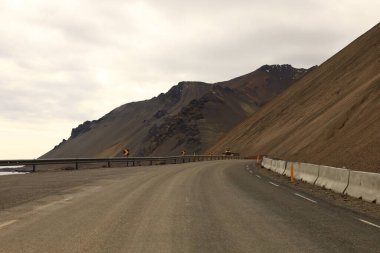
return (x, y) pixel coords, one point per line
(281, 166)
(335, 179)
(307, 172)
(263, 162)
(296, 165)
(287, 169)
(364, 185)
(269, 165)
(267, 162)
(273, 165)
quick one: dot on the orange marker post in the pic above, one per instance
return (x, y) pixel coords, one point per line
(291, 173)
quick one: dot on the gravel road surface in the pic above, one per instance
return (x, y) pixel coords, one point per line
(218, 206)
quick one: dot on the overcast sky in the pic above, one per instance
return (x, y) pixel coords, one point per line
(64, 62)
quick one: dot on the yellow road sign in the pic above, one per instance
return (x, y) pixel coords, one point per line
(126, 152)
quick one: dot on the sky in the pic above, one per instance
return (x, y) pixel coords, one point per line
(65, 62)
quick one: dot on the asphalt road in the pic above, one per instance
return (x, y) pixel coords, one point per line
(217, 206)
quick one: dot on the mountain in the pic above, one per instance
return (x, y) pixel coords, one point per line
(331, 116)
(191, 116)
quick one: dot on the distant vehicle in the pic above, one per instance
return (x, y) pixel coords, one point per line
(229, 152)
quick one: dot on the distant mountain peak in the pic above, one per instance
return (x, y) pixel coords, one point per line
(277, 67)
(281, 68)
(191, 115)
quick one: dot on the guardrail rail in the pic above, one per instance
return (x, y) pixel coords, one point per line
(114, 160)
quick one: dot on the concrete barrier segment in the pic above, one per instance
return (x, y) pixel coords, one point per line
(263, 162)
(269, 165)
(273, 165)
(267, 162)
(287, 169)
(307, 172)
(335, 179)
(296, 165)
(281, 166)
(364, 185)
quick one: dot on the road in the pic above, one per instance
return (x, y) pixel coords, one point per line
(216, 206)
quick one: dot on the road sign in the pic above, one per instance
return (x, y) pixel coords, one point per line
(126, 152)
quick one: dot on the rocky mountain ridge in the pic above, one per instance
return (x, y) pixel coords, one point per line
(190, 116)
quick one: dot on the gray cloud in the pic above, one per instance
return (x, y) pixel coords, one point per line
(69, 61)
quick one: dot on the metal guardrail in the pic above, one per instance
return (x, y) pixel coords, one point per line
(109, 161)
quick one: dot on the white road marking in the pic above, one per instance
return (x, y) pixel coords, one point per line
(299, 195)
(7, 223)
(258, 176)
(187, 201)
(369, 223)
(273, 184)
(68, 198)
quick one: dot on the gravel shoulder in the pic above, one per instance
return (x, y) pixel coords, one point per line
(353, 204)
(18, 189)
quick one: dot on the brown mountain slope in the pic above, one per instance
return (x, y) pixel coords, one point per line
(190, 116)
(269, 80)
(331, 116)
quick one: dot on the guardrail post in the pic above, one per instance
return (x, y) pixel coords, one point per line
(76, 165)
(133, 163)
(34, 168)
(151, 162)
(109, 164)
